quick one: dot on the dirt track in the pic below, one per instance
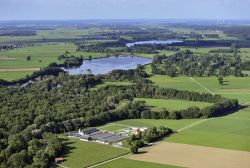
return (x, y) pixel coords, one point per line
(194, 156)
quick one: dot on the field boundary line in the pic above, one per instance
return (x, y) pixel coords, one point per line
(198, 83)
(192, 125)
(110, 160)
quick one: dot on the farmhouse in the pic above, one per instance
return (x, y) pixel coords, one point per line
(59, 160)
(138, 130)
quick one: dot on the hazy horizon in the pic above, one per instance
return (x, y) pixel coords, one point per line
(124, 9)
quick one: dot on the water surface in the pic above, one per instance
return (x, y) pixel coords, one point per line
(153, 42)
(105, 65)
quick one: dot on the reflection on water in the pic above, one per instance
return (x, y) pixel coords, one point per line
(153, 42)
(105, 65)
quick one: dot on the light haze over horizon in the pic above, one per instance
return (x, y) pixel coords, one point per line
(123, 9)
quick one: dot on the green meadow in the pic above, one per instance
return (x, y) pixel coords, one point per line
(181, 83)
(57, 33)
(14, 75)
(112, 127)
(171, 105)
(41, 55)
(228, 132)
(79, 154)
(234, 87)
(174, 124)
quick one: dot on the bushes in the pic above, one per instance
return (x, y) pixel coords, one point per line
(150, 135)
(126, 75)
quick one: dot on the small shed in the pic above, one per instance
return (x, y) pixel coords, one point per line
(59, 160)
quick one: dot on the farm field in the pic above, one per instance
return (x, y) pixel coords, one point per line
(80, 154)
(181, 83)
(174, 124)
(228, 132)
(41, 56)
(112, 127)
(193, 156)
(58, 33)
(14, 75)
(129, 163)
(157, 104)
(46, 53)
(234, 87)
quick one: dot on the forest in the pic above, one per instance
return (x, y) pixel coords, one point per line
(31, 115)
(192, 64)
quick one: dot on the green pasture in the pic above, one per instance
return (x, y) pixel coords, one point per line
(181, 83)
(41, 55)
(112, 127)
(58, 33)
(169, 104)
(229, 132)
(14, 75)
(82, 154)
(174, 124)
(234, 87)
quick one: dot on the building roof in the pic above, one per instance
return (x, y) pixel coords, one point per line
(59, 159)
(90, 131)
(85, 137)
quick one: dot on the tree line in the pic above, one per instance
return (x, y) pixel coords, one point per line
(190, 64)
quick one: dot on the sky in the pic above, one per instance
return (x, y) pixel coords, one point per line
(123, 9)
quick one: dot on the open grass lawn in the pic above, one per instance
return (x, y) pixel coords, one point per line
(235, 87)
(112, 127)
(229, 132)
(174, 124)
(128, 163)
(80, 154)
(181, 83)
(41, 55)
(170, 104)
(14, 75)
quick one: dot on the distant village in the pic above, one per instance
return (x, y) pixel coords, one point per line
(12, 46)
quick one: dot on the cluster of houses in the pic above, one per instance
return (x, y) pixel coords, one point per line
(93, 134)
(105, 137)
(10, 46)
